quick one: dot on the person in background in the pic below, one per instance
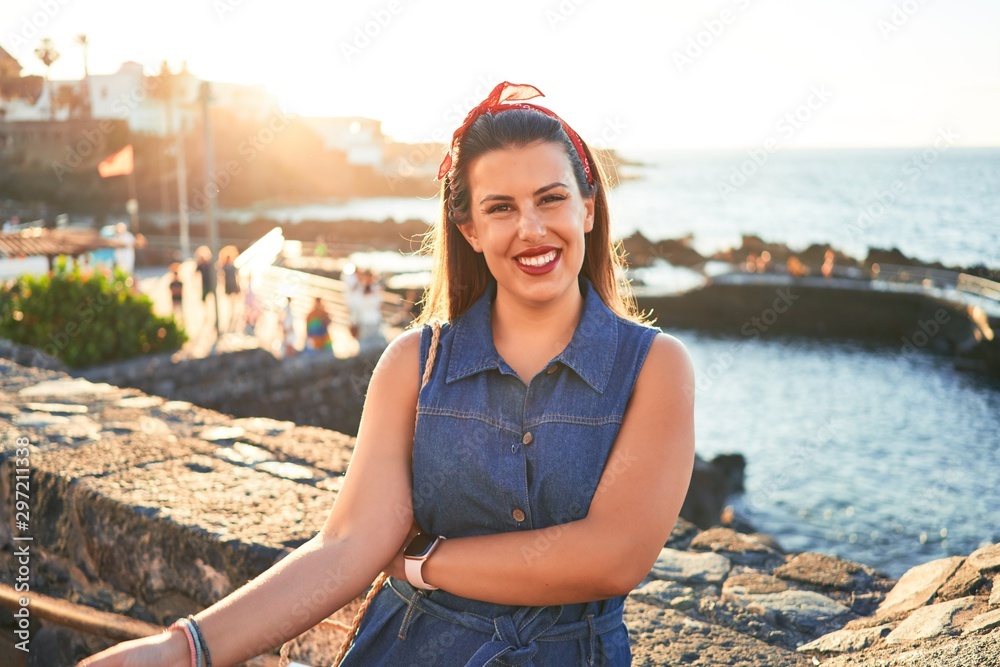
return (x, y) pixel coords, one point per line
(288, 330)
(251, 309)
(318, 329)
(203, 257)
(127, 243)
(365, 306)
(231, 282)
(177, 292)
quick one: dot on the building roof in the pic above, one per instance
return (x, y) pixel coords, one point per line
(8, 61)
(36, 241)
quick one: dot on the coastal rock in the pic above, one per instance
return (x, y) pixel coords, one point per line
(985, 621)
(995, 594)
(965, 581)
(917, 586)
(705, 568)
(669, 594)
(986, 559)
(845, 641)
(972, 651)
(752, 582)
(711, 484)
(806, 611)
(738, 548)
(683, 532)
(930, 621)
(669, 637)
(827, 572)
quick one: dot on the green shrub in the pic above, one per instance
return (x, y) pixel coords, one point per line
(84, 320)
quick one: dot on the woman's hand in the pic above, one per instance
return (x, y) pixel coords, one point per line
(162, 650)
(397, 566)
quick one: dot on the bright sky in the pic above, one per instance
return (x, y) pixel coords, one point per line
(624, 73)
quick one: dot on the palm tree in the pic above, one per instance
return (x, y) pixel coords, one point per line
(47, 53)
(82, 41)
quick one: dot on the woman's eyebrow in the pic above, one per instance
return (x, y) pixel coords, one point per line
(535, 194)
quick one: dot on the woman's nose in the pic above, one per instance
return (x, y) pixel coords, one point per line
(530, 225)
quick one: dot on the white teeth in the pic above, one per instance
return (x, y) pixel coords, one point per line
(540, 260)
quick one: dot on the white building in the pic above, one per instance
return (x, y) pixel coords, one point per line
(131, 94)
(361, 139)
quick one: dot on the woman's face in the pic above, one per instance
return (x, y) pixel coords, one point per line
(527, 199)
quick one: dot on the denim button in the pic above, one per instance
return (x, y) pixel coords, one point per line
(518, 514)
(551, 369)
(527, 439)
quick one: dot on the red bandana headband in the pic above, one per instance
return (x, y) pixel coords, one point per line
(498, 100)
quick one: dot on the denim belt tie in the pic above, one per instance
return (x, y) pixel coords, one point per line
(514, 636)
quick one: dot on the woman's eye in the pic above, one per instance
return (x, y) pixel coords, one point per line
(551, 198)
(498, 208)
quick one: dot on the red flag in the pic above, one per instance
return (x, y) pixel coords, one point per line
(118, 164)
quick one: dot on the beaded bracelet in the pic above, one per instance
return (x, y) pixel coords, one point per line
(180, 623)
(200, 640)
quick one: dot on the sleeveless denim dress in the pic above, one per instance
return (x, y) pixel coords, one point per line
(494, 455)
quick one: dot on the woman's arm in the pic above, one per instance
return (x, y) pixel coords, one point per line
(637, 502)
(367, 525)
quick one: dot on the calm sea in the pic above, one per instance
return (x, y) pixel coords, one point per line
(888, 459)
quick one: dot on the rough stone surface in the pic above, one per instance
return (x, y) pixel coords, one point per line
(844, 641)
(804, 610)
(661, 592)
(703, 568)
(931, 621)
(826, 572)
(966, 581)
(995, 594)
(986, 559)
(745, 583)
(739, 548)
(985, 621)
(669, 637)
(972, 651)
(918, 585)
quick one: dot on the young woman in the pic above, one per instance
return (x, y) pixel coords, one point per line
(552, 453)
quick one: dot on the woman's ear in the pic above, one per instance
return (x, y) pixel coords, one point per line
(469, 232)
(588, 222)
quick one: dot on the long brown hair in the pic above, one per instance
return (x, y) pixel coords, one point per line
(460, 275)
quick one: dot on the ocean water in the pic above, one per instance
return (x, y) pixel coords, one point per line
(888, 459)
(853, 449)
(934, 204)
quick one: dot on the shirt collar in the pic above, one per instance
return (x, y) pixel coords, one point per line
(590, 353)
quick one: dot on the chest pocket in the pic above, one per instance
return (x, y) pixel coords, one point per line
(493, 455)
